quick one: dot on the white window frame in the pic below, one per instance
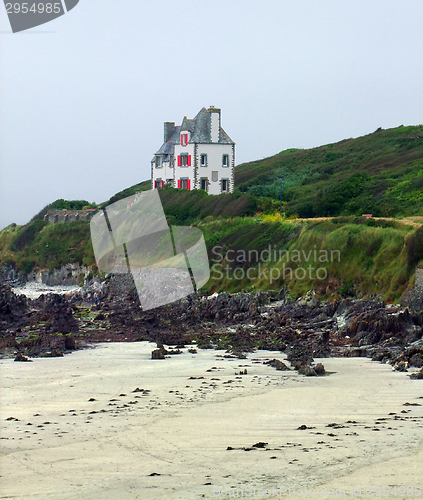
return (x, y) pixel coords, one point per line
(225, 161)
(184, 138)
(203, 156)
(184, 159)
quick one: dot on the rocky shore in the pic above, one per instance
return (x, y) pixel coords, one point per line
(53, 324)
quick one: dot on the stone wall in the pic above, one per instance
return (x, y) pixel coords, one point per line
(54, 216)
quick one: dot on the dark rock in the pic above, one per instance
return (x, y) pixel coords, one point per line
(157, 354)
(260, 444)
(276, 363)
(320, 369)
(401, 366)
(418, 375)
(307, 370)
(21, 357)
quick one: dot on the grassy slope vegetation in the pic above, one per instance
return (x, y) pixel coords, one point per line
(353, 254)
(380, 173)
(374, 258)
(39, 245)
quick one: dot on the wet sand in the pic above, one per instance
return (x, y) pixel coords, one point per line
(73, 427)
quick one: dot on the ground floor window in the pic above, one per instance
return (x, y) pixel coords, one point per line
(203, 183)
(158, 183)
(225, 185)
(170, 182)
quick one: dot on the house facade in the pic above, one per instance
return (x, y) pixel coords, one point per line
(198, 154)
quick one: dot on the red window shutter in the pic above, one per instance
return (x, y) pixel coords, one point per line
(189, 160)
(179, 161)
(188, 183)
(182, 139)
(162, 184)
(155, 184)
(179, 183)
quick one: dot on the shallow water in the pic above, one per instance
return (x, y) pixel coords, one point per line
(33, 290)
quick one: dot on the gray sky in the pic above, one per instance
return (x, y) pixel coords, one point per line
(83, 98)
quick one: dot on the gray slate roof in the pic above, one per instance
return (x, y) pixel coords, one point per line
(200, 129)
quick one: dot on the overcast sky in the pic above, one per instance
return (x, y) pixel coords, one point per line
(83, 98)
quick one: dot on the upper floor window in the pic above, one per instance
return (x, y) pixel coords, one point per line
(184, 160)
(159, 161)
(203, 160)
(184, 138)
(225, 161)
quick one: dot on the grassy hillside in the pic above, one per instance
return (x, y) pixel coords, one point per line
(39, 245)
(380, 173)
(341, 256)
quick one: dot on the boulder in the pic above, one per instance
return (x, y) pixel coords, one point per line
(307, 370)
(158, 354)
(418, 375)
(276, 363)
(21, 357)
(320, 369)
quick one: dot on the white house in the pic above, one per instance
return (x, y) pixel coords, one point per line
(198, 154)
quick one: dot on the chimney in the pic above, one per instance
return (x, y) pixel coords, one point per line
(214, 123)
(168, 129)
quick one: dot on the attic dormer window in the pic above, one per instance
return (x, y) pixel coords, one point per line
(184, 138)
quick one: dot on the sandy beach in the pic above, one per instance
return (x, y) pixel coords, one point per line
(110, 423)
